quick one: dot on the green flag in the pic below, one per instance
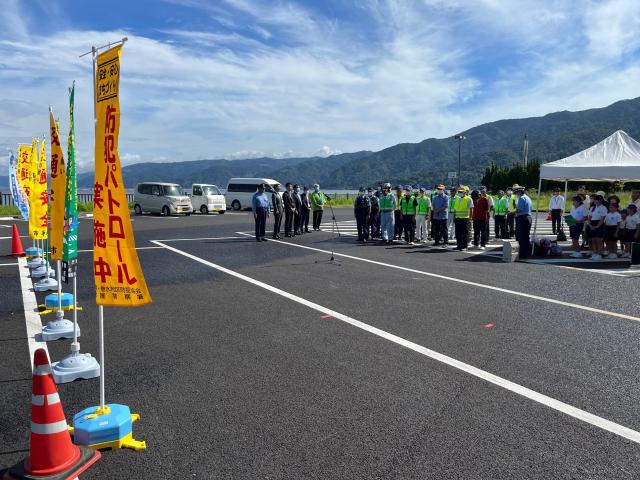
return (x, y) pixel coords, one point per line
(70, 241)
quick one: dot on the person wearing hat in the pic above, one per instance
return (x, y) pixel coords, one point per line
(397, 233)
(318, 199)
(260, 208)
(451, 217)
(595, 225)
(484, 193)
(362, 211)
(439, 214)
(409, 210)
(500, 206)
(512, 201)
(387, 208)
(463, 213)
(373, 225)
(424, 207)
(556, 209)
(523, 221)
(278, 210)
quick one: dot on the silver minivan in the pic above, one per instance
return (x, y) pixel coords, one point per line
(164, 198)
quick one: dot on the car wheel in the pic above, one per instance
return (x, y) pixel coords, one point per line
(204, 210)
(165, 211)
(235, 205)
(137, 209)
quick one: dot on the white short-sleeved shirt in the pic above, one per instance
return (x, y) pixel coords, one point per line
(597, 213)
(579, 213)
(613, 219)
(632, 221)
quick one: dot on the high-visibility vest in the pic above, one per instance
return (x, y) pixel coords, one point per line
(462, 208)
(513, 202)
(423, 204)
(407, 205)
(386, 202)
(501, 205)
(398, 200)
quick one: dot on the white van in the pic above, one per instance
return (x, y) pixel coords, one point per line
(240, 191)
(158, 197)
(207, 198)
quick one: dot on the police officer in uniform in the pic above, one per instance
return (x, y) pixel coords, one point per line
(362, 211)
(374, 217)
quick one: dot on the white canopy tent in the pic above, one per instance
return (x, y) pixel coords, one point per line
(614, 159)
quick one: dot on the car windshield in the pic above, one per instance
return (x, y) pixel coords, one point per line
(173, 190)
(211, 190)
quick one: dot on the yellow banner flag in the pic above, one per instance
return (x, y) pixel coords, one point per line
(116, 269)
(24, 168)
(58, 183)
(39, 197)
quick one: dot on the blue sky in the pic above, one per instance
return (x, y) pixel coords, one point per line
(244, 78)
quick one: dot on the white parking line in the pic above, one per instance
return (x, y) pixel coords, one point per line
(7, 264)
(191, 239)
(465, 282)
(31, 316)
(550, 402)
(137, 248)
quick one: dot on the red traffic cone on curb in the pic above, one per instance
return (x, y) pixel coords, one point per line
(52, 455)
(16, 244)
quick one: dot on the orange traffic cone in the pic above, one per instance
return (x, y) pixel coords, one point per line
(51, 453)
(16, 244)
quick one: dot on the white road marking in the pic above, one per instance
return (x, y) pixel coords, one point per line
(465, 282)
(6, 226)
(7, 264)
(550, 402)
(9, 238)
(137, 248)
(31, 316)
(201, 238)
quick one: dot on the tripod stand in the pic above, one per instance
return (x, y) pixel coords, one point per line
(334, 227)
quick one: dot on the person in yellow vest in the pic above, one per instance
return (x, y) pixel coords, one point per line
(451, 217)
(463, 211)
(424, 208)
(500, 206)
(512, 202)
(397, 215)
(409, 209)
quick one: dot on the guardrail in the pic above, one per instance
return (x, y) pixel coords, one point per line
(7, 198)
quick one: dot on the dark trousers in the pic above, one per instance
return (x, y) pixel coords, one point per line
(398, 227)
(304, 220)
(555, 220)
(288, 222)
(523, 228)
(317, 219)
(409, 228)
(261, 222)
(362, 220)
(439, 231)
(296, 223)
(480, 232)
(277, 222)
(374, 224)
(500, 226)
(462, 239)
(511, 225)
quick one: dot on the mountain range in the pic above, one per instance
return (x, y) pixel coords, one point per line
(551, 137)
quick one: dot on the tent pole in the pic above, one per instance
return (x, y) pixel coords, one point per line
(535, 225)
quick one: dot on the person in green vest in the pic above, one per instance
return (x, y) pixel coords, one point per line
(387, 202)
(485, 193)
(398, 215)
(463, 211)
(409, 210)
(424, 209)
(501, 206)
(512, 202)
(451, 217)
(318, 200)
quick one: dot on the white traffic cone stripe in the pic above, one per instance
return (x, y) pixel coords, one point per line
(42, 370)
(49, 428)
(38, 400)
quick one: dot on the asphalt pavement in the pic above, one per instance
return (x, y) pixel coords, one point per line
(270, 360)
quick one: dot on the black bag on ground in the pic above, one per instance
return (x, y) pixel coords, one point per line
(562, 237)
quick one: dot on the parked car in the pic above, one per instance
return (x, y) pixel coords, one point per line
(164, 198)
(240, 191)
(207, 198)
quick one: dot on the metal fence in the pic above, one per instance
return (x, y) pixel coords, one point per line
(7, 198)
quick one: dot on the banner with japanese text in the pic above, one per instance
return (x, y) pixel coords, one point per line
(39, 198)
(116, 268)
(58, 188)
(24, 169)
(19, 197)
(70, 227)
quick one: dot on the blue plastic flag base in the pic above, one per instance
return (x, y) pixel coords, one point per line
(46, 284)
(51, 301)
(35, 262)
(33, 252)
(57, 329)
(75, 366)
(108, 427)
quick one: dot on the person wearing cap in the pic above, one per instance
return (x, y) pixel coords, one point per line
(260, 208)
(463, 213)
(500, 206)
(318, 199)
(556, 209)
(289, 210)
(278, 210)
(387, 209)
(523, 221)
(512, 202)
(362, 210)
(409, 210)
(451, 217)
(373, 225)
(424, 207)
(439, 214)
(480, 219)
(306, 210)
(484, 193)
(397, 233)
(297, 217)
